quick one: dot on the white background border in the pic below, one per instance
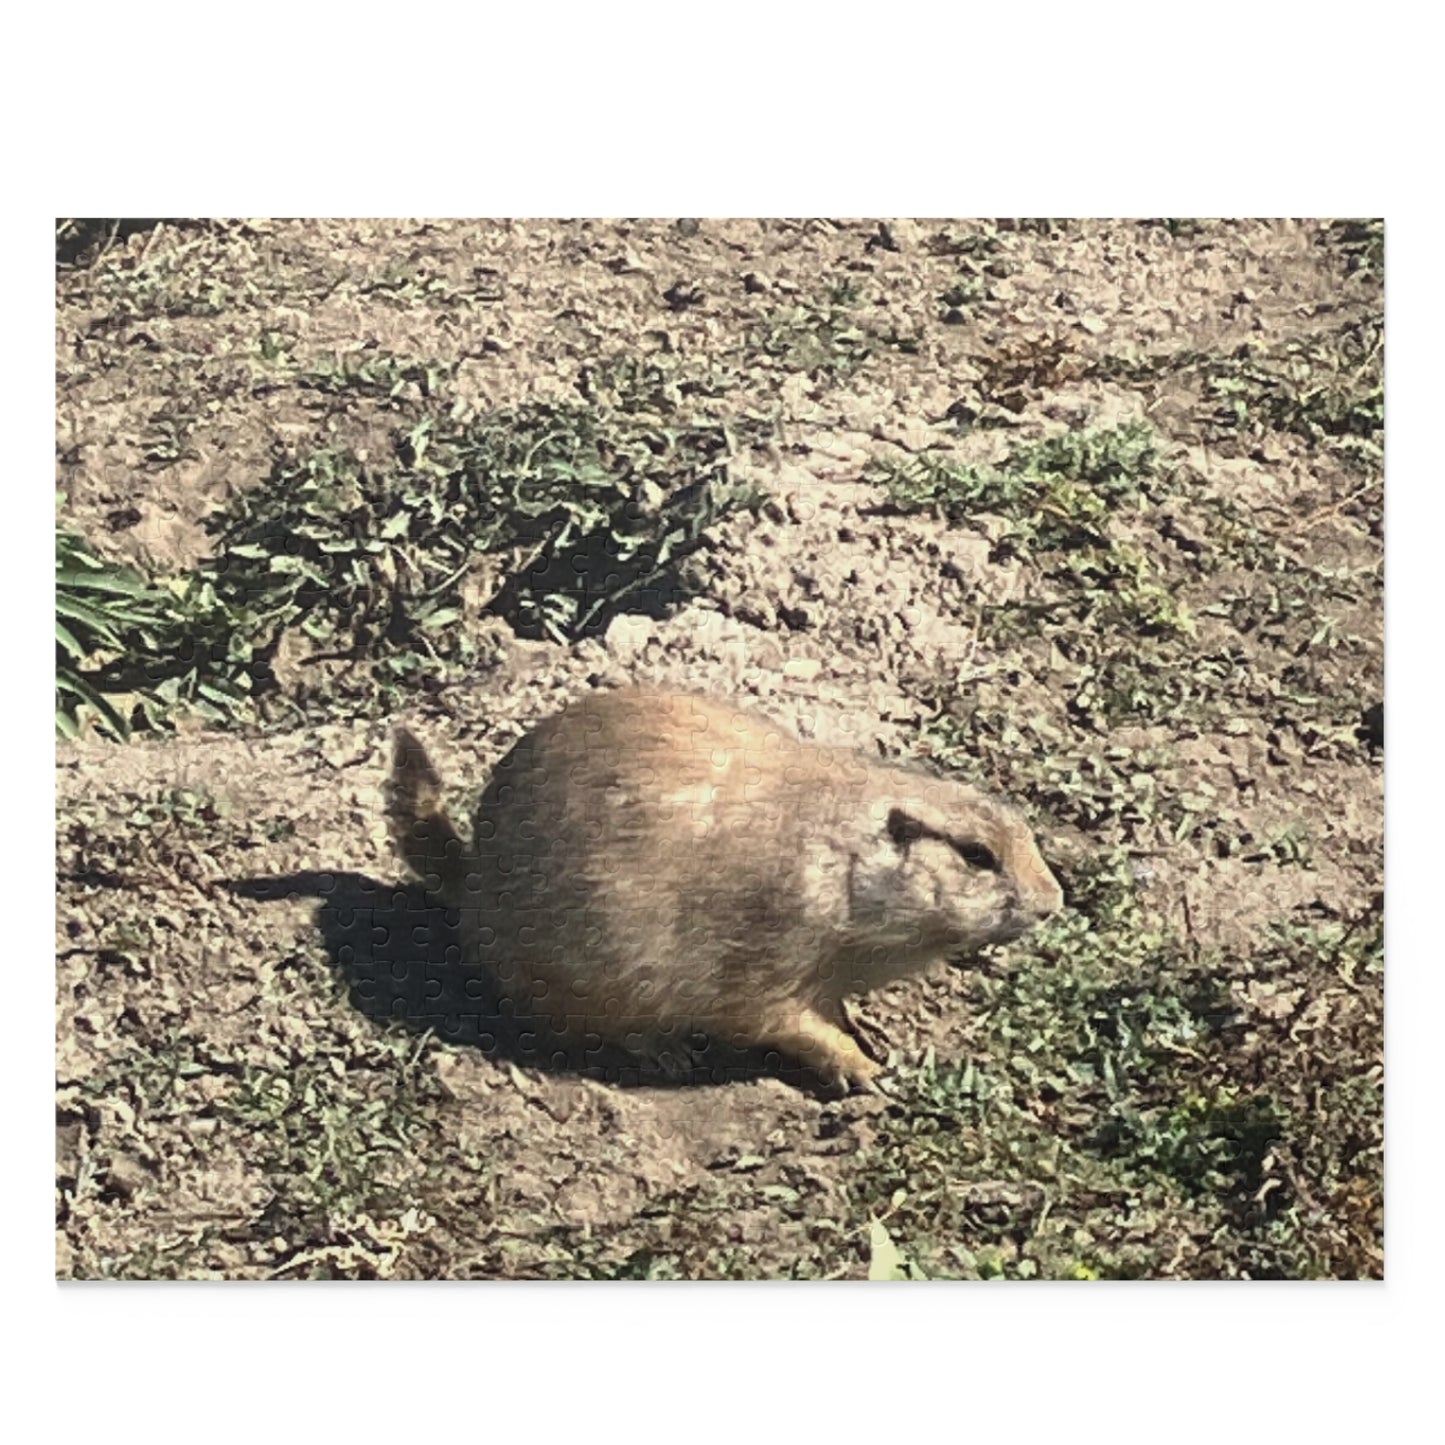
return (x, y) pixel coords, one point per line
(749, 109)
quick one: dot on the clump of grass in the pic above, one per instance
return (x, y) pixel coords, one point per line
(585, 508)
(96, 605)
(379, 374)
(1062, 503)
(820, 338)
(1056, 495)
(1124, 1114)
(129, 651)
(553, 515)
(133, 654)
(1328, 389)
(1362, 242)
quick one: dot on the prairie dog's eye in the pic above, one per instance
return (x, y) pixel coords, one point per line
(977, 856)
(902, 829)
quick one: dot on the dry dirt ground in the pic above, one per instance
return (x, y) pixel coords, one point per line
(1088, 511)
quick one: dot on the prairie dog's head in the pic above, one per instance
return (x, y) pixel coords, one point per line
(945, 867)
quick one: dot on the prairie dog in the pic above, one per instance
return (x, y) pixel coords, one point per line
(649, 862)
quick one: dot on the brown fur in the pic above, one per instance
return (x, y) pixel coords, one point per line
(647, 861)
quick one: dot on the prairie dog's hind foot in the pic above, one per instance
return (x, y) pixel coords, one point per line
(823, 1046)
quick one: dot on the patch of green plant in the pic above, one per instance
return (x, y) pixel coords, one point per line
(982, 246)
(1329, 389)
(132, 653)
(1057, 494)
(1135, 367)
(192, 276)
(1327, 1050)
(1361, 242)
(202, 657)
(326, 1140)
(1291, 607)
(979, 264)
(1102, 1125)
(820, 338)
(378, 374)
(1112, 791)
(553, 515)
(167, 437)
(1301, 648)
(1067, 505)
(1100, 681)
(587, 509)
(334, 1137)
(98, 607)
(665, 386)
(412, 285)
(191, 810)
(1210, 1144)
(165, 833)
(1231, 537)
(1062, 501)
(191, 651)
(639, 1264)
(273, 349)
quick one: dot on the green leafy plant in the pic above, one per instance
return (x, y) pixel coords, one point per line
(96, 604)
(128, 650)
(1363, 245)
(1102, 1124)
(1061, 502)
(1056, 494)
(377, 374)
(820, 338)
(554, 515)
(1329, 389)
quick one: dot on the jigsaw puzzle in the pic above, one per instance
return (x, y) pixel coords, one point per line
(720, 749)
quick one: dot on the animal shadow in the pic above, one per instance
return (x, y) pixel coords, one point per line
(401, 960)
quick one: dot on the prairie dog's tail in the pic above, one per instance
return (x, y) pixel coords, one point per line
(420, 830)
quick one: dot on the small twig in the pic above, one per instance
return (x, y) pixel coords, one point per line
(1336, 507)
(1189, 919)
